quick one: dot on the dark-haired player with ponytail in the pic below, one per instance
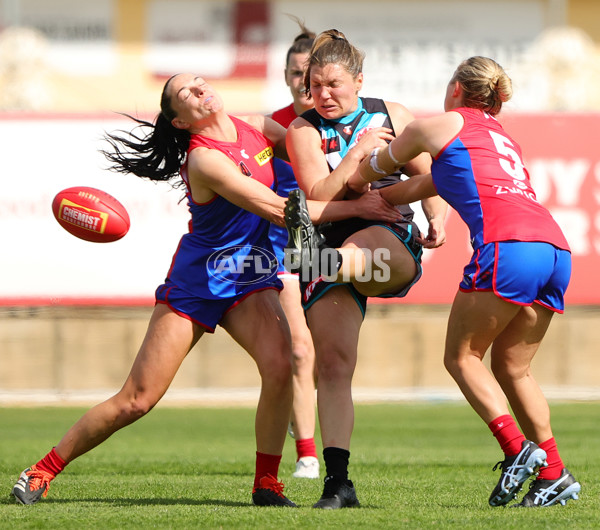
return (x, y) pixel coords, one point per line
(223, 272)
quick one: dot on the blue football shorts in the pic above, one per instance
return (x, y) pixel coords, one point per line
(204, 312)
(520, 272)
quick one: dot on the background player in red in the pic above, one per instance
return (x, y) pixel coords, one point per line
(302, 425)
(515, 281)
(226, 165)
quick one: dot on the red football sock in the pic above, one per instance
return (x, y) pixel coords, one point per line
(51, 463)
(306, 447)
(555, 464)
(266, 465)
(507, 433)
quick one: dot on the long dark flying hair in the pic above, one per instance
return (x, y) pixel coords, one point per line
(153, 151)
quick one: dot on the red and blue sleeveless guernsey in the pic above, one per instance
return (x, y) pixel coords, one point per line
(285, 116)
(227, 249)
(480, 173)
(286, 182)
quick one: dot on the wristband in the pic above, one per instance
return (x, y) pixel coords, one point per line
(373, 162)
(389, 149)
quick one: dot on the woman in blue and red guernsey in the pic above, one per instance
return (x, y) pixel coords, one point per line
(223, 272)
(515, 281)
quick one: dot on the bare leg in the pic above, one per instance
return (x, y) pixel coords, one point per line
(476, 319)
(258, 324)
(512, 353)
(336, 345)
(167, 342)
(375, 273)
(303, 355)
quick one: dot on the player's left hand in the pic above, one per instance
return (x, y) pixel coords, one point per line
(436, 235)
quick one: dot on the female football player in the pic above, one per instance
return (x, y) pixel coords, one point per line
(226, 165)
(515, 281)
(325, 145)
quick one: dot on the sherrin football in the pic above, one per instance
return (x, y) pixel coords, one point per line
(90, 214)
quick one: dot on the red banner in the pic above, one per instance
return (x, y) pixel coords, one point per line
(559, 150)
(251, 21)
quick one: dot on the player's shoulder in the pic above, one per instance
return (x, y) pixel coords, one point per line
(398, 111)
(304, 125)
(256, 121)
(399, 114)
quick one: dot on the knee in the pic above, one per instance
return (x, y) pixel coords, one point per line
(134, 407)
(505, 371)
(303, 354)
(276, 368)
(455, 365)
(450, 363)
(334, 363)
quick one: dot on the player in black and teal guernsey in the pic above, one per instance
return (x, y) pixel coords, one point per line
(373, 259)
(337, 138)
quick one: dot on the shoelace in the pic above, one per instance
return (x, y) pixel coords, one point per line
(499, 464)
(270, 483)
(39, 479)
(503, 464)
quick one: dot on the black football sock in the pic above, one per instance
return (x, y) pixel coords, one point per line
(336, 462)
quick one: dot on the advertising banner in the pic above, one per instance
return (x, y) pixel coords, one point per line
(42, 263)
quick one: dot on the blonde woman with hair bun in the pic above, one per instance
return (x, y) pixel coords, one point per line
(512, 286)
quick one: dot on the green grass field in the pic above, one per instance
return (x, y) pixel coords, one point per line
(414, 466)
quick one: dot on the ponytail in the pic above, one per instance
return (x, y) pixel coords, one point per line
(303, 41)
(153, 151)
(332, 47)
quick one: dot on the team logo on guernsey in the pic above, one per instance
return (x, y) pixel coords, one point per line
(244, 169)
(330, 145)
(361, 133)
(264, 156)
(242, 264)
